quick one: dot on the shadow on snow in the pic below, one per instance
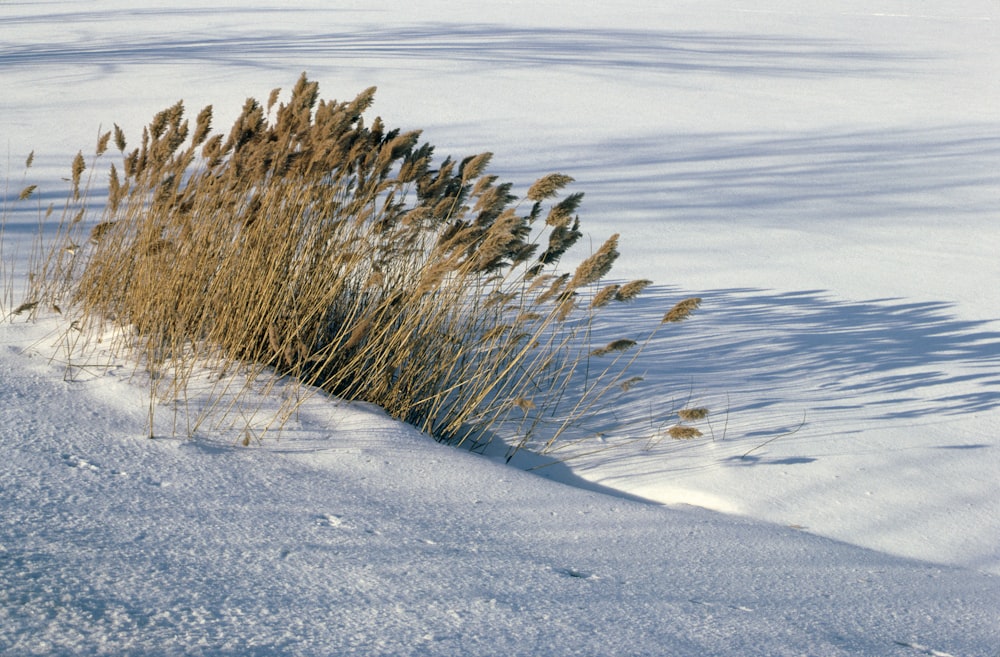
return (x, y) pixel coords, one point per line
(883, 358)
(596, 51)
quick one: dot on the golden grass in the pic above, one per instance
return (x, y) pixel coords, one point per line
(309, 242)
(632, 289)
(682, 310)
(621, 344)
(692, 414)
(683, 432)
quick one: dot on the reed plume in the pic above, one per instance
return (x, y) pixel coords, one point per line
(681, 310)
(692, 414)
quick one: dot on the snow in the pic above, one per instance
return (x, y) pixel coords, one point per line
(824, 175)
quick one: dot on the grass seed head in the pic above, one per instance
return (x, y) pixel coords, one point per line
(561, 214)
(119, 139)
(682, 432)
(273, 98)
(630, 383)
(548, 186)
(102, 142)
(358, 333)
(691, 414)
(613, 346)
(98, 232)
(629, 291)
(605, 296)
(25, 307)
(682, 310)
(596, 266)
(524, 404)
(203, 126)
(79, 165)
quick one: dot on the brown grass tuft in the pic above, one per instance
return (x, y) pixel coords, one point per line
(273, 98)
(547, 186)
(691, 414)
(79, 165)
(682, 432)
(630, 383)
(524, 404)
(629, 291)
(682, 310)
(203, 127)
(605, 296)
(102, 143)
(98, 232)
(25, 307)
(561, 214)
(119, 139)
(596, 266)
(623, 344)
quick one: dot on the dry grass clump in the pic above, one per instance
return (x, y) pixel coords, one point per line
(683, 432)
(309, 242)
(692, 414)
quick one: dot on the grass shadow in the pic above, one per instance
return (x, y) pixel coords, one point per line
(883, 359)
(598, 51)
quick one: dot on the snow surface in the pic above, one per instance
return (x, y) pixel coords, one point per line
(825, 175)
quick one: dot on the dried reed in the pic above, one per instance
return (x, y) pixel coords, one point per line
(683, 432)
(311, 243)
(692, 414)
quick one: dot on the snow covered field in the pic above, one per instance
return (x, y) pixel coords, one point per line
(825, 175)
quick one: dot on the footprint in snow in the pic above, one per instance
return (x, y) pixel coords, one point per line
(83, 464)
(77, 462)
(576, 574)
(923, 649)
(716, 604)
(329, 520)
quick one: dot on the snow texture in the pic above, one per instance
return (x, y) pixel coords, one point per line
(826, 176)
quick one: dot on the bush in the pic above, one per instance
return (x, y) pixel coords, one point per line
(311, 244)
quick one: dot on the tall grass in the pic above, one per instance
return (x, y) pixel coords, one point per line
(9, 259)
(310, 243)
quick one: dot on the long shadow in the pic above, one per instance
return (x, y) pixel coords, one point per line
(883, 359)
(934, 172)
(770, 364)
(598, 51)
